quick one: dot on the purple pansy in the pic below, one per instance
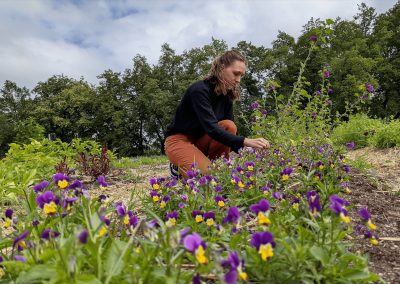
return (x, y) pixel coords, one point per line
(40, 186)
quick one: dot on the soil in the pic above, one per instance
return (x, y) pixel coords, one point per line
(377, 188)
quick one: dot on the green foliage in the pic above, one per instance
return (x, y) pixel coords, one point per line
(386, 136)
(137, 162)
(28, 129)
(25, 164)
(359, 129)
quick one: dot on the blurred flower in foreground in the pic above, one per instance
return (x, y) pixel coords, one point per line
(195, 244)
(235, 266)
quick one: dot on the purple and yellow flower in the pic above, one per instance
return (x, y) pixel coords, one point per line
(40, 186)
(363, 212)
(261, 209)
(61, 180)
(286, 172)
(8, 220)
(198, 216)
(337, 206)
(19, 241)
(48, 202)
(313, 203)
(67, 202)
(104, 227)
(154, 196)
(101, 180)
(249, 166)
(171, 218)
(209, 217)
(220, 200)
(235, 268)
(232, 216)
(195, 244)
(264, 244)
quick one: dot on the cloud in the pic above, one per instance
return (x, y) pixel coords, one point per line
(84, 38)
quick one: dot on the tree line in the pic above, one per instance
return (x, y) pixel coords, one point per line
(129, 111)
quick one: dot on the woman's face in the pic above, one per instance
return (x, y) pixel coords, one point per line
(234, 72)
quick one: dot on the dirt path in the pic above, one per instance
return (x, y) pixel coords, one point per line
(378, 189)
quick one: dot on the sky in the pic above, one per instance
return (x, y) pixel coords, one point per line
(83, 38)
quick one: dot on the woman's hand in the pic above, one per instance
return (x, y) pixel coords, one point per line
(256, 143)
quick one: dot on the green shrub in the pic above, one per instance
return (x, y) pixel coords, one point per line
(358, 129)
(387, 136)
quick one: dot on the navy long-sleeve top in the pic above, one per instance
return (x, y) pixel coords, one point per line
(199, 112)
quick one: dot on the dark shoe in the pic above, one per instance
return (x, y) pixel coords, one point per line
(174, 170)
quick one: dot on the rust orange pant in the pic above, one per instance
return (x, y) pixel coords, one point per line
(183, 150)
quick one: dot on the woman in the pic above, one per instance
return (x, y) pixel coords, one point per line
(203, 126)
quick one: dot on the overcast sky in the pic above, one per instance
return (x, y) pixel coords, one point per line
(85, 37)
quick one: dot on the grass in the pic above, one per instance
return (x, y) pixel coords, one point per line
(136, 162)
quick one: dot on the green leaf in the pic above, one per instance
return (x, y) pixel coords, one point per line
(320, 254)
(113, 265)
(36, 273)
(88, 279)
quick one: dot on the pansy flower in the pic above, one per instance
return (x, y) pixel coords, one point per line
(261, 209)
(235, 268)
(48, 202)
(295, 203)
(19, 241)
(313, 203)
(209, 217)
(195, 244)
(154, 196)
(320, 165)
(198, 216)
(232, 216)
(83, 236)
(76, 184)
(264, 244)
(61, 180)
(249, 166)
(337, 206)
(286, 172)
(164, 201)
(48, 234)
(122, 212)
(67, 202)
(171, 218)
(220, 200)
(101, 180)
(40, 186)
(8, 220)
(363, 212)
(277, 195)
(104, 227)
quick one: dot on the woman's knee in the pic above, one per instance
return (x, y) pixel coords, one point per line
(228, 125)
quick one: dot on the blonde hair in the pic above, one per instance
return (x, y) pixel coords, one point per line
(215, 74)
